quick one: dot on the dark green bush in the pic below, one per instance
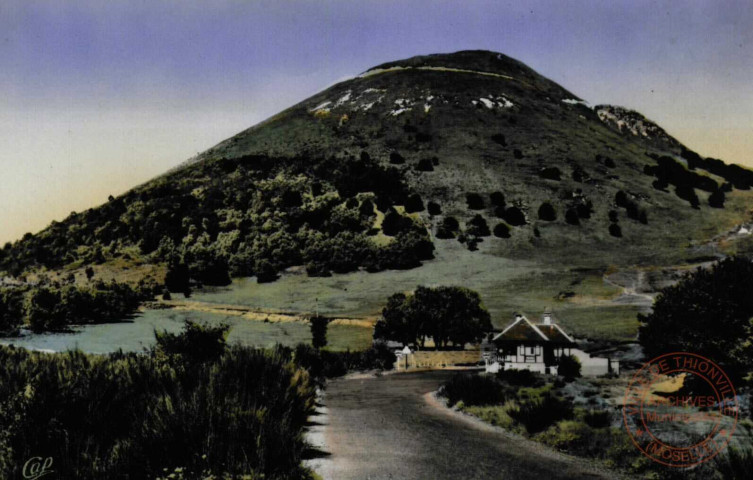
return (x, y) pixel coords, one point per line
(520, 378)
(196, 343)
(449, 228)
(478, 227)
(474, 201)
(425, 165)
(569, 366)
(598, 418)
(497, 199)
(550, 173)
(515, 216)
(414, 203)
(571, 217)
(501, 230)
(434, 208)
(547, 212)
(539, 412)
(472, 389)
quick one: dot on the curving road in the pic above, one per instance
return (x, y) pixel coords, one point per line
(389, 428)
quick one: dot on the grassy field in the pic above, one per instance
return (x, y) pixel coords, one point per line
(580, 298)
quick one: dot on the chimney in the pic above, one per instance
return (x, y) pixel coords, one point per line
(547, 317)
(518, 316)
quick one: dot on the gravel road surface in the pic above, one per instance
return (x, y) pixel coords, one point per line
(388, 427)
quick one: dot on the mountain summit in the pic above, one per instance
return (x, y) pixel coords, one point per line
(391, 168)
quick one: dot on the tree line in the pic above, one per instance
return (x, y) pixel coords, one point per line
(449, 316)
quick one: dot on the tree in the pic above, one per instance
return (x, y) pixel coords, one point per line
(716, 199)
(10, 312)
(501, 230)
(318, 326)
(177, 276)
(414, 203)
(708, 312)
(477, 227)
(448, 228)
(497, 198)
(474, 201)
(397, 323)
(42, 312)
(547, 212)
(515, 216)
(571, 217)
(444, 314)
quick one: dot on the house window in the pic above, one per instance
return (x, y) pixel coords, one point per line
(531, 350)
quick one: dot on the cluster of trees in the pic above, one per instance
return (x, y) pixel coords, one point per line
(708, 312)
(247, 216)
(45, 308)
(447, 315)
(737, 176)
(669, 172)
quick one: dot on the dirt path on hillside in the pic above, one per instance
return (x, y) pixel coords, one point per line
(249, 313)
(389, 427)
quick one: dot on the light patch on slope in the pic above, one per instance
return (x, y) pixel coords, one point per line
(505, 103)
(573, 101)
(487, 103)
(427, 105)
(404, 105)
(320, 106)
(494, 101)
(341, 101)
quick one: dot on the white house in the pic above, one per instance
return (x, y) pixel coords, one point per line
(525, 345)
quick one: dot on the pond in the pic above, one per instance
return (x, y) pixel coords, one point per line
(137, 334)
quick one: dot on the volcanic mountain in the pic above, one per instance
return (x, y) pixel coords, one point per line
(470, 150)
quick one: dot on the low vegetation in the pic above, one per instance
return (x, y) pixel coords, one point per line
(533, 406)
(191, 405)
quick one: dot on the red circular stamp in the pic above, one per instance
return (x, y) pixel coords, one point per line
(680, 409)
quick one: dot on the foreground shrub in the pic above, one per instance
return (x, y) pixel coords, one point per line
(569, 366)
(539, 411)
(472, 390)
(735, 464)
(520, 378)
(135, 415)
(322, 364)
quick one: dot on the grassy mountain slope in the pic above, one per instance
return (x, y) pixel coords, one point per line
(378, 171)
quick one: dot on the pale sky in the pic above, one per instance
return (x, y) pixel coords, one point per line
(97, 97)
